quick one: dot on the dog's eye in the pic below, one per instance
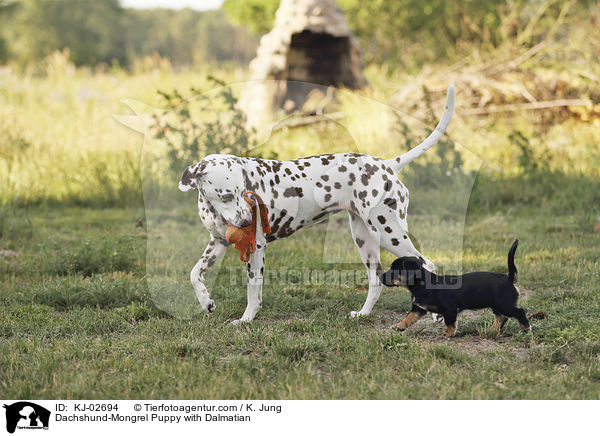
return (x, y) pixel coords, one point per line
(227, 198)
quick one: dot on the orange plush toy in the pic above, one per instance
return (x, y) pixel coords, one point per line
(244, 238)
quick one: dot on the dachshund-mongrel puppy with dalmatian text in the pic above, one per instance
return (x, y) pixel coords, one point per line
(301, 192)
(448, 295)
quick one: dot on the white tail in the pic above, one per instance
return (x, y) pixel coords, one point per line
(398, 162)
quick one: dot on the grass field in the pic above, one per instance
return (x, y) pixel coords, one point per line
(77, 319)
(94, 289)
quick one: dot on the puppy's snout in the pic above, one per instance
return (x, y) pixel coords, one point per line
(390, 278)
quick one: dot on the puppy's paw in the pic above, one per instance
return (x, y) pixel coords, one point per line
(399, 327)
(447, 334)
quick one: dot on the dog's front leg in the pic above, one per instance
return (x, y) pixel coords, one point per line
(215, 250)
(256, 268)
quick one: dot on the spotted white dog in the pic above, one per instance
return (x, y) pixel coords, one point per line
(302, 192)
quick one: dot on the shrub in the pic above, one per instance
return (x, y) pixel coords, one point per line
(201, 124)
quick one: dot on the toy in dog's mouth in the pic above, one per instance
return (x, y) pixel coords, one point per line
(244, 238)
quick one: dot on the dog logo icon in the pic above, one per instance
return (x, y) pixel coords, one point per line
(26, 415)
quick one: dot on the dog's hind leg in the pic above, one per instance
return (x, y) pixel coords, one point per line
(521, 316)
(499, 321)
(215, 250)
(368, 248)
(387, 222)
(513, 312)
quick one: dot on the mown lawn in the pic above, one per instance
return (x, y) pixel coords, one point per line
(77, 319)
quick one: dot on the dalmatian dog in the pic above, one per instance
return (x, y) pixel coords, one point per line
(302, 192)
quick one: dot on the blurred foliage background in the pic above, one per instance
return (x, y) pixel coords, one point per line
(526, 71)
(102, 33)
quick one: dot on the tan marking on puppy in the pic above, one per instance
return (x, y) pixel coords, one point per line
(450, 330)
(410, 319)
(498, 322)
(525, 328)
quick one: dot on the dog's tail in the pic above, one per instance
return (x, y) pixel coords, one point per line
(513, 274)
(398, 163)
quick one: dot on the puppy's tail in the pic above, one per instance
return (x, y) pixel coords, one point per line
(513, 274)
(398, 163)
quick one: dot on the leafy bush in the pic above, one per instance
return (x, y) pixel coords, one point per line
(201, 124)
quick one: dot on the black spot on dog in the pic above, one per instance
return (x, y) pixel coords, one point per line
(319, 216)
(387, 185)
(388, 229)
(327, 197)
(395, 242)
(359, 242)
(325, 177)
(371, 169)
(342, 168)
(293, 192)
(375, 192)
(391, 203)
(381, 219)
(186, 178)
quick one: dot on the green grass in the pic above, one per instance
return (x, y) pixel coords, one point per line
(78, 319)
(87, 307)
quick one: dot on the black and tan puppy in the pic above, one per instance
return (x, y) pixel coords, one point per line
(448, 295)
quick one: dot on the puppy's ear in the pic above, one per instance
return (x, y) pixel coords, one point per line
(189, 178)
(411, 267)
(412, 263)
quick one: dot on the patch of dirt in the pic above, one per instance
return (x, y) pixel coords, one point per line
(8, 253)
(427, 330)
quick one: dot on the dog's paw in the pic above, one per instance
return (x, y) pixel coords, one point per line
(210, 307)
(398, 327)
(355, 314)
(240, 321)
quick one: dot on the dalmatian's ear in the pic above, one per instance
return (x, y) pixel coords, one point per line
(189, 178)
